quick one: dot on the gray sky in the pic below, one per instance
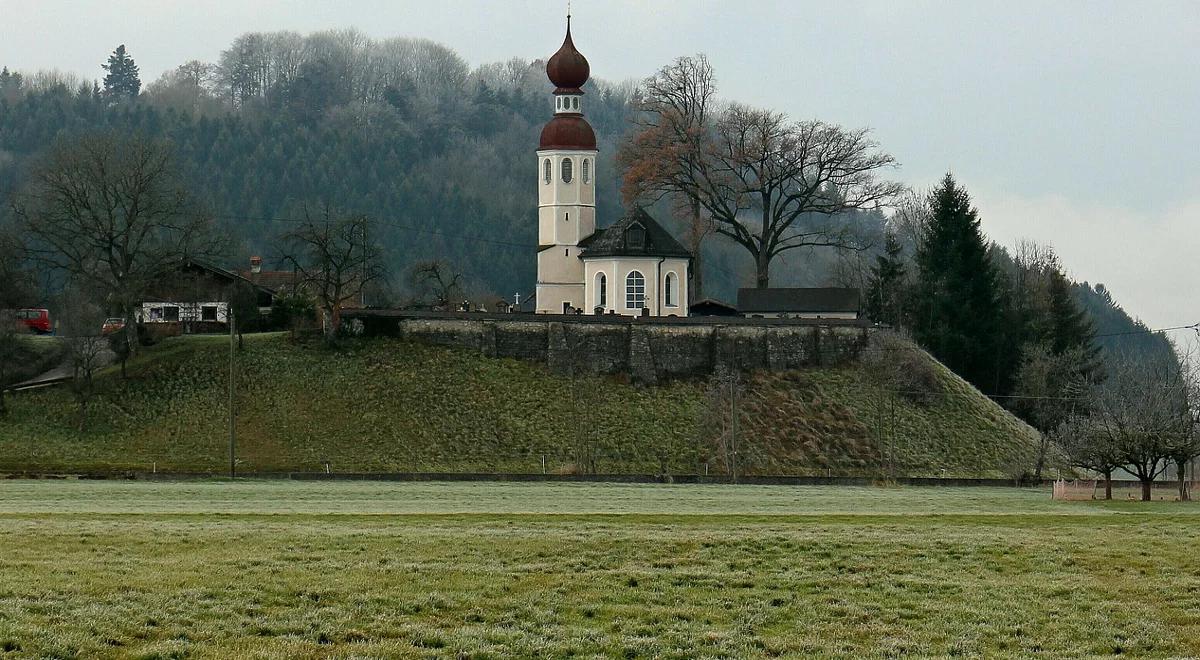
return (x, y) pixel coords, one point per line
(1072, 123)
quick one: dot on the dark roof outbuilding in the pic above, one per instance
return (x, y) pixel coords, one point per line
(798, 300)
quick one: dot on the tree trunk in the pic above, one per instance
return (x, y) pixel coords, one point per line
(131, 334)
(697, 232)
(3, 403)
(1147, 492)
(762, 272)
(332, 319)
(1043, 446)
(1108, 484)
(1181, 475)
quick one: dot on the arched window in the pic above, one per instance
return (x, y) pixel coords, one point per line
(587, 170)
(546, 171)
(566, 170)
(601, 290)
(669, 294)
(635, 290)
(575, 102)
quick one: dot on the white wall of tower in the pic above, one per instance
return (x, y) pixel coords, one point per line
(566, 216)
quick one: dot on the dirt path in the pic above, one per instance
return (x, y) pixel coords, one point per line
(62, 372)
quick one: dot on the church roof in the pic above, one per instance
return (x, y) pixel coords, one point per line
(568, 69)
(635, 235)
(568, 131)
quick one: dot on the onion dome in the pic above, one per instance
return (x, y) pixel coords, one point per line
(568, 69)
(568, 132)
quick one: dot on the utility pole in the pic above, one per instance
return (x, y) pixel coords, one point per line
(733, 437)
(232, 426)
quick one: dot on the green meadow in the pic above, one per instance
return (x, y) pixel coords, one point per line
(372, 569)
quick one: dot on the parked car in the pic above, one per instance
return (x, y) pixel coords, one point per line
(112, 325)
(37, 320)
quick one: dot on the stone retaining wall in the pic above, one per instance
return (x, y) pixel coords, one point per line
(647, 351)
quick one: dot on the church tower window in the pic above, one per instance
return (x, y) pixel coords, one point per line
(635, 290)
(566, 170)
(586, 167)
(546, 171)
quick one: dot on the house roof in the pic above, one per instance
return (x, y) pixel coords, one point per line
(828, 299)
(272, 280)
(618, 241)
(221, 273)
(711, 307)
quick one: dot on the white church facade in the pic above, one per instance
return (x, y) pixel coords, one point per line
(634, 267)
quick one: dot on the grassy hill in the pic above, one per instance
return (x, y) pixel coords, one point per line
(388, 405)
(34, 355)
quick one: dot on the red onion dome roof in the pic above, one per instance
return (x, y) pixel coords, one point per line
(568, 132)
(568, 69)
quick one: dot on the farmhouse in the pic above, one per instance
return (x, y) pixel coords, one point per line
(197, 298)
(633, 268)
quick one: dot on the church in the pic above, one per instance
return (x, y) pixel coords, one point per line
(634, 267)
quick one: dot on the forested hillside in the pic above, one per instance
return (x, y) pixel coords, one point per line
(403, 130)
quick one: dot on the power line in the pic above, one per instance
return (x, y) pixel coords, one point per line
(388, 223)
(1194, 326)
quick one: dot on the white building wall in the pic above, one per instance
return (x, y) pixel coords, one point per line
(160, 312)
(653, 269)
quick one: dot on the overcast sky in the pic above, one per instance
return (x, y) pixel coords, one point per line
(1072, 123)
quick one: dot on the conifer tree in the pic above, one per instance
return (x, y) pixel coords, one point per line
(886, 284)
(1070, 326)
(122, 80)
(961, 303)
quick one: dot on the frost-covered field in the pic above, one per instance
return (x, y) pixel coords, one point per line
(279, 569)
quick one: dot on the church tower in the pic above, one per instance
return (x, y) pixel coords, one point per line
(566, 177)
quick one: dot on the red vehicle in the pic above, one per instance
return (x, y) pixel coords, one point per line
(37, 320)
(112, 325)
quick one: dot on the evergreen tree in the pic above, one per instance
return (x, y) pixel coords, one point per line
(1070, 326)
(886, 284)
(10, 85)
(961, 301)
(122, 80)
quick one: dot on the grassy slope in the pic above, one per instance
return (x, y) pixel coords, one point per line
(258, 569)
(386, 405)
(35, 355)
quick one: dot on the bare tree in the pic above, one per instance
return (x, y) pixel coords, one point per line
(17, 287)
(675, 107)
(1184, 446)
(1051, 387)
(11, 336)
(772, 185)
(335, 257)
(243, 305)
(435, 284)
(109, 211)
(1086, 445)
(85, 346)
(1146, 411)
